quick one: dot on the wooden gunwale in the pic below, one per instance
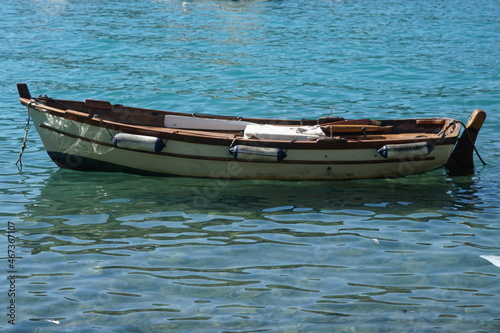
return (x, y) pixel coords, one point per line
(226, 138)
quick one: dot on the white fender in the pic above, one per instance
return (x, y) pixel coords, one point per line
(138, 142)
(406, 150)
(257, 154)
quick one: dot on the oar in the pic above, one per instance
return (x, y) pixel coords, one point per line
(341, 128)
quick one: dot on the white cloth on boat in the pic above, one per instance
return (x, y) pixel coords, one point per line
(196, 123)
(289, 133)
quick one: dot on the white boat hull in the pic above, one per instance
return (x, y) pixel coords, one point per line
(76, 145)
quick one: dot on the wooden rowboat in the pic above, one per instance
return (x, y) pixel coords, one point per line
(96, 135)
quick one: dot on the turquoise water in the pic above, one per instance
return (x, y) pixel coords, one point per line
(125, 253)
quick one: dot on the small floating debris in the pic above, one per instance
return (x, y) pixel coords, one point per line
(495, 260)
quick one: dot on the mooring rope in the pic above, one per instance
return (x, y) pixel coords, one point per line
(19, 162)
(473, 143)
(227, 157)
(442, 135)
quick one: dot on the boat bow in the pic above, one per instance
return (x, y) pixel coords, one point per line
(461, 160)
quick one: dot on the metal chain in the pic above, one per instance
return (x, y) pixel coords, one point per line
(19, 162)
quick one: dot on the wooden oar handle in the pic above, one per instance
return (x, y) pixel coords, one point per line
(341, 128)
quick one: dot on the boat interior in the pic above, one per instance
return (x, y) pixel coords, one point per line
(330, 126)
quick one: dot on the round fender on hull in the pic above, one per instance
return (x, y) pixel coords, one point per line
(257, 154)
(406, 150)
(138, 142)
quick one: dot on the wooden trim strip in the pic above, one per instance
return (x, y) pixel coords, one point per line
(224, 139)
(429, 121)
(96, 104)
